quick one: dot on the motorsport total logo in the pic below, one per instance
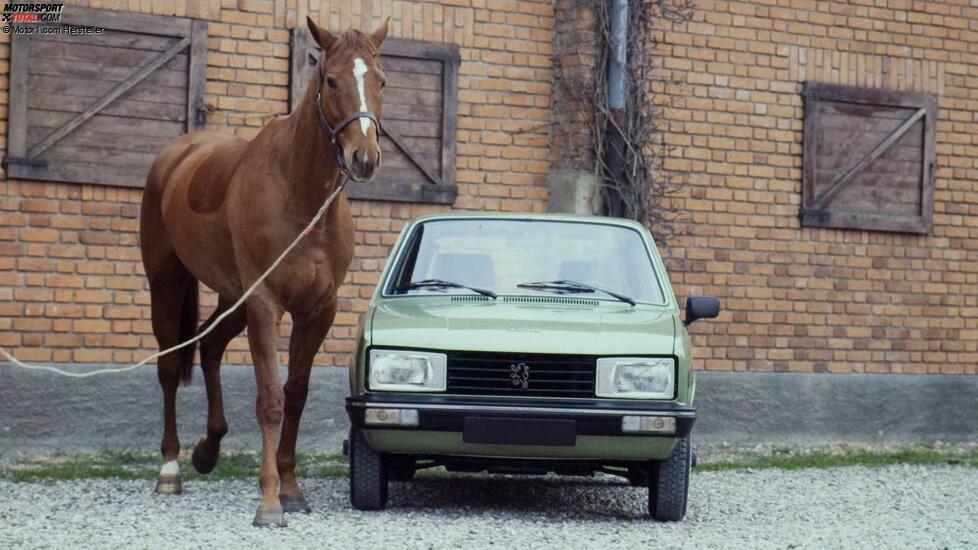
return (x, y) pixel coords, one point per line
(32, 13)
(41, 19)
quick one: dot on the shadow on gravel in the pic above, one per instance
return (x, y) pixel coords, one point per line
(546, 497)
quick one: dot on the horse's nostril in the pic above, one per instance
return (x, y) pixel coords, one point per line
(357, 161)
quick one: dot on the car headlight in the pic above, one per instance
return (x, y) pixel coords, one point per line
(401, 370)
(636, 377)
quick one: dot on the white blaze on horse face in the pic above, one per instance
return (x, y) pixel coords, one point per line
(170, 468)
(359, 71)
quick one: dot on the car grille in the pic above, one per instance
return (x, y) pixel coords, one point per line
(520, 374)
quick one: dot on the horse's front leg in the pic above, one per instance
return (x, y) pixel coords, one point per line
(264, 315)
(307, 336)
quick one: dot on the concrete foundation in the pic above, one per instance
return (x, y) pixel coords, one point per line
(573, 192)
(42, 413)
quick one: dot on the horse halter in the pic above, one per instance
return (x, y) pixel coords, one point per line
(334, 131)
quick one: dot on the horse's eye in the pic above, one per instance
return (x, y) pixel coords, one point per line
(331, 82)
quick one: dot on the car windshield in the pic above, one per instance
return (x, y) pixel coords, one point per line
(500, 255)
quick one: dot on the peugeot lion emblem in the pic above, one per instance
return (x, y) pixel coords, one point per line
(520, 375)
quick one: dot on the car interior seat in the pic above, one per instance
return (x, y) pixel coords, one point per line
(467, 269)
(573, 270)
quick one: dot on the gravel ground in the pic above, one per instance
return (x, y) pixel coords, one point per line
(895, 506)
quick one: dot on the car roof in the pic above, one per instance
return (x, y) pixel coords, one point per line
(528, 216)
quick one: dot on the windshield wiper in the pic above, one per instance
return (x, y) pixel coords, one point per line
(438, 283)
(573, 286)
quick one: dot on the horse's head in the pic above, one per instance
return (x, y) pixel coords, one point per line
(350, 80)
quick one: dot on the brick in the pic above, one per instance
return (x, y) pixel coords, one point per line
(36, 235)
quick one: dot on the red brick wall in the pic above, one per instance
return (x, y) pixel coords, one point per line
(797, 299)
(575, 49)
(804, 299)
(71, 283)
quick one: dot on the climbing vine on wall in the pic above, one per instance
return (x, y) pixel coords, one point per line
(639, 191)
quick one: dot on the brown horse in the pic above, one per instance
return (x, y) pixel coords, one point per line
(219, 209)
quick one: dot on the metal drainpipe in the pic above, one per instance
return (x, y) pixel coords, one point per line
(617, 84)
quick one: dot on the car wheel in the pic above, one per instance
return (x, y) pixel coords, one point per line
(669, 484)
(401, 469)
(368, 474)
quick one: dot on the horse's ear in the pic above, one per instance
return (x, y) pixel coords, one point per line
(320, 35)
(380, 34)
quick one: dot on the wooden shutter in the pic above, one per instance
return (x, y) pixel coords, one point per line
(98, 108)
(869, 159)
(419, 122)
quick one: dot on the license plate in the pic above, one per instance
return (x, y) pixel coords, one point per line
(519, 431)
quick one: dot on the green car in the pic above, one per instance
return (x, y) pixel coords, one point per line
(524, 344)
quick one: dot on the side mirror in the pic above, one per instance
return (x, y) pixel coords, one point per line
(701, 307)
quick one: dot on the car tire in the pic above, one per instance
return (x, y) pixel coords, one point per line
(669, 483)
(368, 474)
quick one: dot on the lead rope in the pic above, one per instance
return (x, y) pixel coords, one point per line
(315, 219)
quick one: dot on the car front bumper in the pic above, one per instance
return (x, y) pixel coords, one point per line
(538, 428)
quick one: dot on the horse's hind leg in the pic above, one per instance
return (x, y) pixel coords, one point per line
(173, 293)
(173, 296)
(212, 348)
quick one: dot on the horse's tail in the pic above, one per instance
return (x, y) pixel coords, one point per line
(188, 329)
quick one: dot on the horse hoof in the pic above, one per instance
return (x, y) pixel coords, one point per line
(294, 503)
(269, 516)
(169, 485)
(202, 463)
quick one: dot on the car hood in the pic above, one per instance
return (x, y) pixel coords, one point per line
(607, 328)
